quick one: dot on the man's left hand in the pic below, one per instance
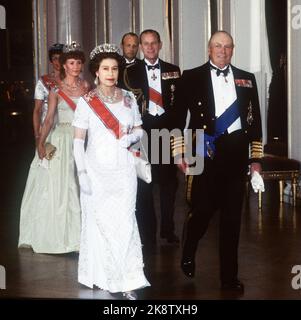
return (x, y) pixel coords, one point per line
(256, 179)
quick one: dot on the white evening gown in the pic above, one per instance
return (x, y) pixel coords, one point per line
(50, 209)
(110, 250)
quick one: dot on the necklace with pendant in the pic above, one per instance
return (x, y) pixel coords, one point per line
(109, 99)
(72, 87)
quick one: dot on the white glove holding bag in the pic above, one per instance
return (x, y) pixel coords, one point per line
(257, 182)
(128, 139)
(83, 178)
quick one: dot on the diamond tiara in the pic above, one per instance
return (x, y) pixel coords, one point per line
(104, 48)
(71, 47)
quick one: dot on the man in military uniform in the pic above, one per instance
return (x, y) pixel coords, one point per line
(130, 46)
(223, 101)
(154, 83)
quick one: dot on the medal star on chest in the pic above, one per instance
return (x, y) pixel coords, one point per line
(154, 77)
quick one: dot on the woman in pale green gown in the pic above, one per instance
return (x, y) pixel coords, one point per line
(50, 210)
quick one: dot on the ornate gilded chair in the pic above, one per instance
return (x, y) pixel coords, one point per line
(281, 169)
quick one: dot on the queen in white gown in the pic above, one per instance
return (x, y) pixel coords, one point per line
(110, 249)
(50, 209)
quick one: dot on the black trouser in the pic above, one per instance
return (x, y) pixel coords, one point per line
(166, 176)
(220, 187)
(145, 213)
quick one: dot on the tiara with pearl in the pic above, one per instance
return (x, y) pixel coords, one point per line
(104, 48)
(73, 46)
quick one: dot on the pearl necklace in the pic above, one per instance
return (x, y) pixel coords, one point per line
(109, 99)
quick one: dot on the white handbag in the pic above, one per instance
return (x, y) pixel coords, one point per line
(143, 167)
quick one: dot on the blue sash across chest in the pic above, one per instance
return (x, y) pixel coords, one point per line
(222, 123)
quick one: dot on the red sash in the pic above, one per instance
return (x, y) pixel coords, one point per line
(105, 115)
(155, 97)
(51, 84)
(69, 101)
(48, 82)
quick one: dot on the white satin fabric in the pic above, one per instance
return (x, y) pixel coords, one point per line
(50, 209)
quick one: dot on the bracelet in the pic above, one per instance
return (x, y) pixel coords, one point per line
(37, 137)
(81, 172)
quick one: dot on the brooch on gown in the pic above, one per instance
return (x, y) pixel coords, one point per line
(127, 99)
(90, 95)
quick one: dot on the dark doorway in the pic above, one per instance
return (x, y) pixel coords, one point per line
(213, 16)
(276, 19)
(16, 71)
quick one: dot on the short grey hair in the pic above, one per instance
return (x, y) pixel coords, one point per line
(217, 32)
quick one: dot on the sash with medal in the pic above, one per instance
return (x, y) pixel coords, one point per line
(104, 114)
(223, 122)
(51, 84)
(143, 167)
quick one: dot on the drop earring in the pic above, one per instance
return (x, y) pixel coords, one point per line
(96, 81)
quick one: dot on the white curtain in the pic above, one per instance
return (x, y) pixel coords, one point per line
(294, 79)
(194, 32)
(2, 17)
(248, 28)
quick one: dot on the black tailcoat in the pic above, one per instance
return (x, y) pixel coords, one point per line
(135, 79)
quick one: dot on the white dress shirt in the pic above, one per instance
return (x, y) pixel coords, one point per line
(127, 61)
(154, 81)
(224, 94)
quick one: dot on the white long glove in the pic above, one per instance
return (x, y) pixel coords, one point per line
(257, 182)
(129, 139)
(83, 179)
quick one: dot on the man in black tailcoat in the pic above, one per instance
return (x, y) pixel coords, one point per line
(154, 83)
(223, 101)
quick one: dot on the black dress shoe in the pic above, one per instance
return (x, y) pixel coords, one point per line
(188, 267)
(234, 286)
